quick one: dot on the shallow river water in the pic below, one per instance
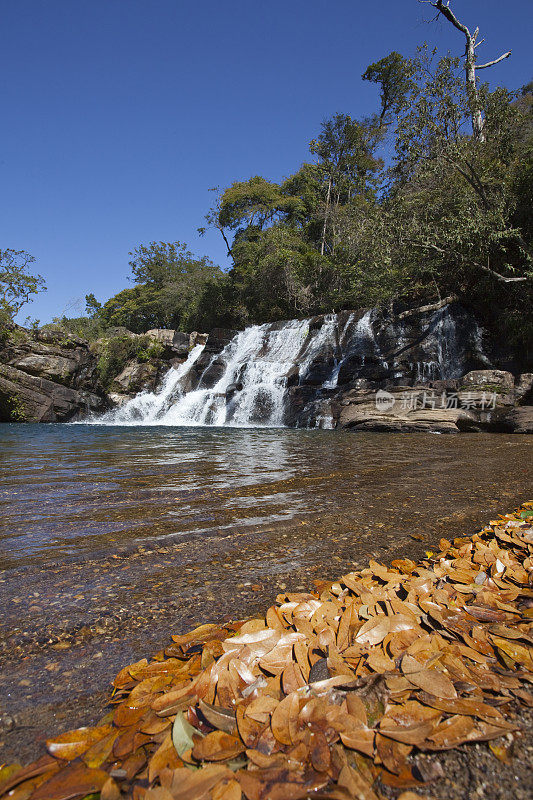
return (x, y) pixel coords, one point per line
(112, 538)
(76, 490)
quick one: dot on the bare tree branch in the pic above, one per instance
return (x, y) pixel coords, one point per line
(443, 7)
(484, 267)
(496, 61)
(446, 11)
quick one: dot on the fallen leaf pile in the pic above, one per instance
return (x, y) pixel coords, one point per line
(331, 695)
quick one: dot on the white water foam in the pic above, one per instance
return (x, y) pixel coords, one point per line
(148, 408)
(252, 374)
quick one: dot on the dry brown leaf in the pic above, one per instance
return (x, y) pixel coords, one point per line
(373, 631)
(355, 784)
(72, 744)
(227, 791)
(429, 680)
(217, 746)
(75, 780)
(221, 718)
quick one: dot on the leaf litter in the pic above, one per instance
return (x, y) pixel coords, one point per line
(329, 695)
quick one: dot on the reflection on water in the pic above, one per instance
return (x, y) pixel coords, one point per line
(73, 490)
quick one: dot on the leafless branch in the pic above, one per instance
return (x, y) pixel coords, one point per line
(496, 61)
(446, 11)
(484, 267)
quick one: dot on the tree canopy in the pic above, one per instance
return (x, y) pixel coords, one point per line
(17, 284)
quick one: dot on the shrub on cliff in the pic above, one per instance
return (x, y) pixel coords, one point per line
(115, 351)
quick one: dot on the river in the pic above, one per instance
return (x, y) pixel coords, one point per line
(112, 538)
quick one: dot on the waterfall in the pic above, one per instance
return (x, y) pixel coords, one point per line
(286, 373)
(148, 408)
(359, 343)
(252, 387)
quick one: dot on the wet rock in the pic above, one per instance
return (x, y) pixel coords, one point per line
(210, 372)
(520, 419)
(232, 389)
(218, 338)
(293, 375)
(524, 388)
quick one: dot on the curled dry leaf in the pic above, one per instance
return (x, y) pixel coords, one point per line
(221, 718)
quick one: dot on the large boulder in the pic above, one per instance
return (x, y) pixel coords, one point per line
(176, 343)
(495, 379)
(56, 368)
(404, 408)
(135, 377)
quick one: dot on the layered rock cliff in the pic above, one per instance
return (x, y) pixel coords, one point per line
(47, 375)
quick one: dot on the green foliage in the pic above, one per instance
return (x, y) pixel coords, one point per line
(89, 328)
(256, 203)
(393, 75)
(12, 408)
(450, 216)
(6, 326)
(92, 306)
(17, 284)
(170, 283)
(114, 352)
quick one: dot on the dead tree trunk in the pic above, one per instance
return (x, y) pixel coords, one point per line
(443, 7)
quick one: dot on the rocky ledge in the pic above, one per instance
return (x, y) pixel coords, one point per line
(50, 375)
(482, 400)
(47, 375)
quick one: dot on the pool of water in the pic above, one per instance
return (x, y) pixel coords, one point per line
(70, 491)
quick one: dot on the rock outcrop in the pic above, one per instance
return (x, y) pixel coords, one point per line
(47, 376)
(479, 403)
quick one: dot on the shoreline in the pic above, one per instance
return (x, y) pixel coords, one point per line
(252, 600)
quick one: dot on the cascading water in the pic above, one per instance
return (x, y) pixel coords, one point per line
(256, 365)
(287, 372)
(149, 408)
(359, 343)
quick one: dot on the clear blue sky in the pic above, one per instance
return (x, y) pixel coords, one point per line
(118, 115)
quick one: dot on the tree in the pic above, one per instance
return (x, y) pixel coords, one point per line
(344, 149)
(92, 306)
(470, 65)
(473, 224)
(256, 202)
(17, 285)
(392, 73)
(163, 263)
(169, 280)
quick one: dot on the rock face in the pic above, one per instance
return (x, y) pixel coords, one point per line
(426, 369)
(404, 408)
(47, 376)
(135, 377)
(430, 369)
